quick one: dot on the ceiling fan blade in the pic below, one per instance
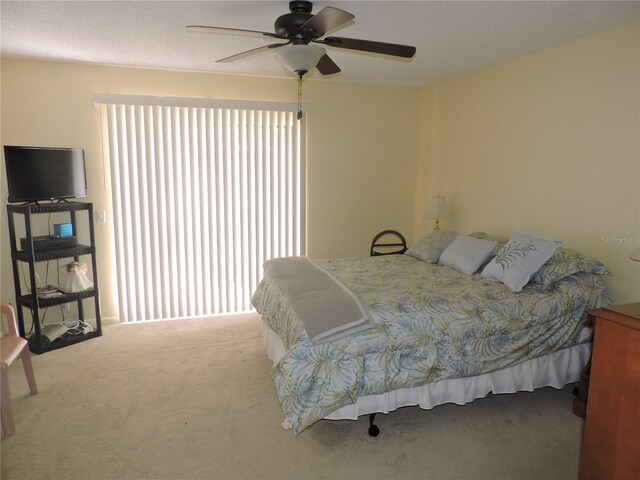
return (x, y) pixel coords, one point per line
(393, 49)
(326, 19)
(253, 51)
(326, 66)
(208, 28)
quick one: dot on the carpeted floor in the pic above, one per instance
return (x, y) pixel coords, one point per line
(194, 400)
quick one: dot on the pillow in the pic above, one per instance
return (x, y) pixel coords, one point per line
(500, 240)
(431, 247)
(565, 262)
(519, 259)
(487, 236)
(466, 253)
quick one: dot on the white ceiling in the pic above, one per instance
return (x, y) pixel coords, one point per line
(451, 37)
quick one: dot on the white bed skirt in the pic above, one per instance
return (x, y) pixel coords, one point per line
(556, 370)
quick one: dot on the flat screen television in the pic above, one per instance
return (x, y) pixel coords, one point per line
(44, 173)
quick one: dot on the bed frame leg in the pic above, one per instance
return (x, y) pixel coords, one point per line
(373, 429)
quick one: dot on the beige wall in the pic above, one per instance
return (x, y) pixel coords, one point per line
(361, 145)
(547, 143)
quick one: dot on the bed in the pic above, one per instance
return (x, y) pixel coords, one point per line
(436, 334)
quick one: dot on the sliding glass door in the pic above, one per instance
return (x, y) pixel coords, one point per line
(202, 197)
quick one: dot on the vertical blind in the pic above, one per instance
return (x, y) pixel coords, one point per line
(202, 197)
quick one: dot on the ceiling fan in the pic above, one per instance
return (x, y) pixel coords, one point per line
(302, 31)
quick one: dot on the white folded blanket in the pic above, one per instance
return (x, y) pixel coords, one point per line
(328, 309)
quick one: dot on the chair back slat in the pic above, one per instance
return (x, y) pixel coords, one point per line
(12, 325)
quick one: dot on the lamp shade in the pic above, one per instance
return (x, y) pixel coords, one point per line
(635, 255)
(300, 58)
(436, 208)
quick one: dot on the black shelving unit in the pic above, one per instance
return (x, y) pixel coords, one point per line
(31, 301)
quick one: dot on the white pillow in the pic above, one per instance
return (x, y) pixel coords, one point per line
(519, 259)
(466, 253)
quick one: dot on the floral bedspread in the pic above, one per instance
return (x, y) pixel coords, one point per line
(430, 323)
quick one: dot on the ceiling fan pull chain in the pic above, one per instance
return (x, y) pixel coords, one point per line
(299, 96)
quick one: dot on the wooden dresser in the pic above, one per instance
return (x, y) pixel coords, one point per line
(611, 441)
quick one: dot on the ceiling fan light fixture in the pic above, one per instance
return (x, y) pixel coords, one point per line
(300, 58)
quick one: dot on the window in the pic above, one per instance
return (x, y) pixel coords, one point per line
(202, 195)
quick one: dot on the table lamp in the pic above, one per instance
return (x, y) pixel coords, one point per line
(436, 209)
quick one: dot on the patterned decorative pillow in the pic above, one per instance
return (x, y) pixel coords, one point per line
(565, 262)
(500, 240)
(431, 247)
(467, 254)
(519, 259)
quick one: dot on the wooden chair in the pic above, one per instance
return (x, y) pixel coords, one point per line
(13, 347)
(392, 244)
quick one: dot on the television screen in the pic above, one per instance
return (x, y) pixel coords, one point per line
(44, 173)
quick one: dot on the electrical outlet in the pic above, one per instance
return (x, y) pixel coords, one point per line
(101, 216)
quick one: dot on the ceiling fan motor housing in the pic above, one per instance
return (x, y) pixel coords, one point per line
(289, 24)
